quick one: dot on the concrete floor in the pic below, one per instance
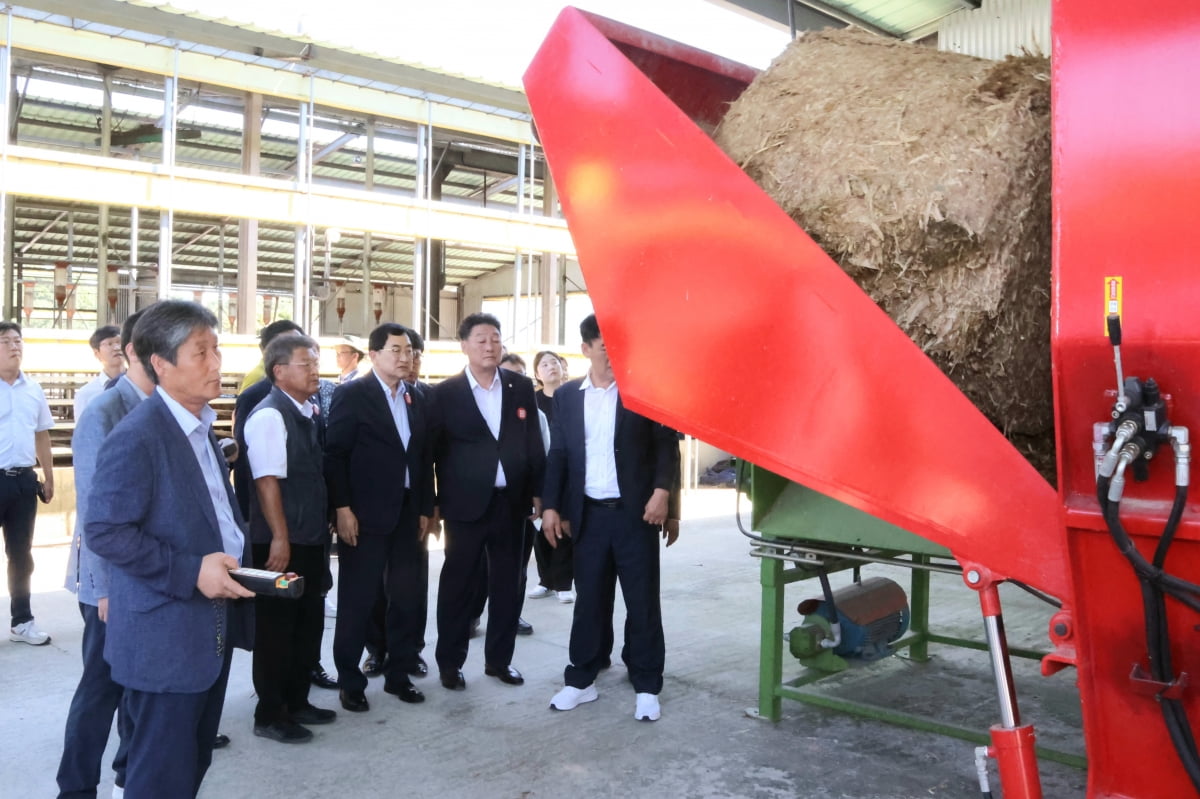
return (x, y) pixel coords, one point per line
(494, 740)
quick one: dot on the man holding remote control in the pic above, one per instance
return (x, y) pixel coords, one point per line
(166, 521)
(288, 528)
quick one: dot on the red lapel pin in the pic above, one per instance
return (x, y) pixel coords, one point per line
(407, 398)
(520, 413)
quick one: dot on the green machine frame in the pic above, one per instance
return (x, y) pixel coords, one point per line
(799, 533)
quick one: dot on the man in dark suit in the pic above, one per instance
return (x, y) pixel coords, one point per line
(380, 476)
(376, 661)
(166, 521)
(609, 476)
(490, 463)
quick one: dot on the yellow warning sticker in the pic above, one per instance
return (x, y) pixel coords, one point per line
(1113, 298)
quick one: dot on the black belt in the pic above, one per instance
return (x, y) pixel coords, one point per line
(611, 504)
(17, 471)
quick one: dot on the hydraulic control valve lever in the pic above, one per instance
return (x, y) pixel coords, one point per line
(1114, 336)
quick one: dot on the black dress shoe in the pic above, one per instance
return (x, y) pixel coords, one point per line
(454, 680)
(406, 691)
(221, 741)
(354, 701)
(286, 732)
(524, 627)
(419, 669)
(321, 679)
(374, 665)
(313, 715)
(506, 674)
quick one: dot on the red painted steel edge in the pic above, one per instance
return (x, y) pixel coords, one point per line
(1126, 198)
(724, 320)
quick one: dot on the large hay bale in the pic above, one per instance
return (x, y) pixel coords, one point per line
(926, 176)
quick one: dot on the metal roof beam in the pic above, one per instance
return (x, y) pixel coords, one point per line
(327, 150)
(244, 39)
(809, 14)
(43, 232)
(35, 172)
(488, 191)
(288, 81)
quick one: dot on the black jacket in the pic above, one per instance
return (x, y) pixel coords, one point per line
(646, 452)
(466, 453)
(365, 459)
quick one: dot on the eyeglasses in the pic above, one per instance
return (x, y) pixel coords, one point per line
(114, 345)
(10, 341)
(398, 351)
(312, 366)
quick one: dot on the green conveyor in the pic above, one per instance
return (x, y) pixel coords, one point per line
(807, 532)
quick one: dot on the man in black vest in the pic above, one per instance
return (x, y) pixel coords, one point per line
(490, 462)
(288, 529)
(380, 476)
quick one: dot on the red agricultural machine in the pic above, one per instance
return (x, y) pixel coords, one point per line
(682, 252)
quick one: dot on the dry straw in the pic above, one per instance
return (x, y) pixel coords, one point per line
(926, 176)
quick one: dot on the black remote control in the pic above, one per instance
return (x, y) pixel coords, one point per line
(268, 583)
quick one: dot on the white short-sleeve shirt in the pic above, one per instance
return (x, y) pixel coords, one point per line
(23, 412)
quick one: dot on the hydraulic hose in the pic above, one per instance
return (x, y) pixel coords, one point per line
(1156, 584)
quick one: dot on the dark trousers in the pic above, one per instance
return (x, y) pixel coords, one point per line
(377, 630)
(611, 542)
(397, 558)
(499, 534)
(91, 715)
(287, 635)
(479, 593)
(18, 510)
(554, 564)
(172, 741)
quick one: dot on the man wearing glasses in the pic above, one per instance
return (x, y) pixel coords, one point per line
(25, 422)
(288, 531)
(379, 470)
(106, 346)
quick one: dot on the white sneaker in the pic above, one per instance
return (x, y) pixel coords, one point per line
(569, 698)
(330, 607)
(566, 597)
(541, 592)
(647, 708)
(28, 633)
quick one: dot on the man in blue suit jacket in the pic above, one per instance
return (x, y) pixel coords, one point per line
(165, 519)
(609, 476)
(98, 696)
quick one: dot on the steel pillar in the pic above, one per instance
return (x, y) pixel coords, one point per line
(166, 217)
(102, 310)
(247, 250)
(7, 216)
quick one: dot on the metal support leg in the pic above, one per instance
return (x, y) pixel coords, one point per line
(770, 665)
(918, 623)
(1013, 745)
